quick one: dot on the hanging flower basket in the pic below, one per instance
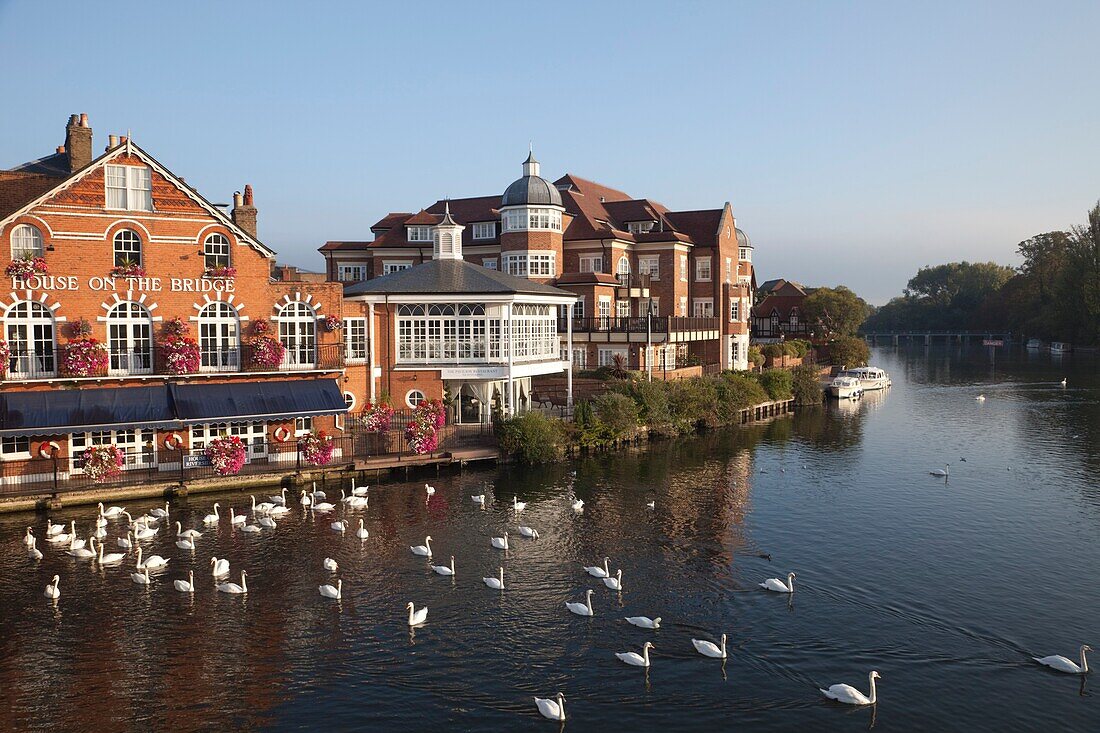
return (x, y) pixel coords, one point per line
(102, 463)
(176, 327)
(267, 352)
(84, 357)
(227, 455)
(5, 356)
(225, 273)
(131, 269)
(422, 432)
(332, 323)
(261, 327)
(80, 328)
(317, 449)
(377, 418)
(181, 355)
(27, 266)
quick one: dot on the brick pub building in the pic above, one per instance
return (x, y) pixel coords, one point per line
(126, 251)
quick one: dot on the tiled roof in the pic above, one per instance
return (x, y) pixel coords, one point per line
(444, 277)
(336, 244)
(55, 164)
(701, 226)
(389, 221)
(782, 304)
(19, 188)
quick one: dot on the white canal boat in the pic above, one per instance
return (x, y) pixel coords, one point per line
(845, 388)
(870, 378)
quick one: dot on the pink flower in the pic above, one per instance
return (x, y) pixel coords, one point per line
(103, 462)
(227, 455)
(378, 418)
(317, 449)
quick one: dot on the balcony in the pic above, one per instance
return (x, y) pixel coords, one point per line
(632, 286)
(656, 329)
(152, 362)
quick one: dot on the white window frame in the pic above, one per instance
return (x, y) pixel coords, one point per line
(605, 356)
(706, 305)
(414, 397)
(622, 309)
(532, 218)
(683, 305)
(419, 233)
(590, 263)
(702, 270)
(735, 310)
(744, 254)
(216, 251)
(303, 426)
(578, 308)
(129, 441)
(298, 334)
(484, 230)
(489, 263)
(31, 333)
(350, 400)
(535, 263)
(650, 265)
(252, 434)
(640, 227)
(15, 448)
(126, 244)
(623, 271)
(684, 268)
(128, 187)
(351, 273)
(219, 330)
(129, 339)
(355, 340)
(27, 242)
(391, 266)
(655, 306)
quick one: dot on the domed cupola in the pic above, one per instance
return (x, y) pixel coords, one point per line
(531, 189)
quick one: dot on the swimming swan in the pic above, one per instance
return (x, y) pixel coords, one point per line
(52, 591)
(153, 562)
(362, 532)
(496, 583)
(417, 618)
(635, 659)
(644, 622)
(212, 518)
(500, 543)
(185, 586)
(582, 609)
(1062, 664)
(615, 583)
(219, 567)
(328, 591)
(945, 471)
(517, 505)
(597, 572)
(141, 578)
(233, 587)
(778, 586)
(528, 532)
(444, 569)
(329, 564)
(424, 550)
(850, 695)
(708, 648)
(550, 709)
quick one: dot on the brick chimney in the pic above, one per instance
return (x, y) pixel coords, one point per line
(244, 211)
(78, 142)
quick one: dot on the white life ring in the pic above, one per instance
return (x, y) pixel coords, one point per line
(281, 434)
(46, 450)
(173, 441)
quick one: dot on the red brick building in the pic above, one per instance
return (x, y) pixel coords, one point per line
(109, 255)
(779, 312)
(624, 258)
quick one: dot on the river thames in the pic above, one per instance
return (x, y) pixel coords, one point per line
(948, 588)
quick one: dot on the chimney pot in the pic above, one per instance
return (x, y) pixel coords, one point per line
(61, 148)
(248, 194)
(84, 119)
(244, 211)
(238, 200)
(112, 141)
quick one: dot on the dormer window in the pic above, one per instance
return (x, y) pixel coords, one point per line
(129, 187)
(485, 230)
(420, 234)
(640, 227)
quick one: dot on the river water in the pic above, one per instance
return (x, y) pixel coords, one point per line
(947, 588)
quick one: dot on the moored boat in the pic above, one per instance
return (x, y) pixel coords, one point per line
(844, 388)
(1060, 347)
(870, 378)
(1034, 345)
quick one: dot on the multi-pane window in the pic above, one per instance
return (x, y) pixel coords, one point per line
(622, 309)
(129, 187)
(127, 248)
(735, 353)
(729, 269)
(639, 227)
(485, 230)
(650, 266)
(351, 273)
(443, 332)
(735, 309)
(702, 269)
(15, 448)
(532, 218)
(130, 339)
(683, 305)
(703, 307)
(252, 434)
(355, 339)
(26, 242)
(622, 271)
(298, 333)
(529, 264)
(302, 426)
(655, 307)
(684, 267)
(603, 311)
(489, 263)
(29, 327)
(215, 251)
(578, 308)
(420, 234)
(219, 337)
(607, 356)
(793, 317)
(414, 397)
(591, 263)
(139, 446)
(744, 253)
(391, 267)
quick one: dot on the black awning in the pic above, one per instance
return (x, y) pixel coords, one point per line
(79, 410)
(241, 401)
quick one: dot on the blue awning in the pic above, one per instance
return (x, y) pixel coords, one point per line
(58, 411)
(244, 401)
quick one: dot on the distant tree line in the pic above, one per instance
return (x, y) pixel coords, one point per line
(1053, 295)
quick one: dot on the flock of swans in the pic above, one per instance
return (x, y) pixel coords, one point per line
(263, 515)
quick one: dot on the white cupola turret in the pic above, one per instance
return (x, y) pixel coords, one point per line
(447, 237)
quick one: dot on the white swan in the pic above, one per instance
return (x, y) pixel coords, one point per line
(615, 583)
(318, 495)
(1062, 664)
(550, 709)
(328, 591)
(417, 618)
(360, 491)
(578, 505)
(444, 569)
(1063, 381)
(33, 550)
(160, 513)
(597, 572)
(63, 538)
(480, 499)
(517, 505)
(362, 532)
(143, 532)
(141, 578)
(191, 533)
(212, 518)
(235, 518)
(305, 500)
(111, 558)
(850, 695)
(28, 538)
(100, 533)
(101, 521)
(52, 529)
(279, 499)
(635, 659)
(83, 553)
(233, 587)
(186, 586)
(778, 586)
(261, 508)
(644, 622)
(323, 506)
(980, 398)
(496, 583)
(582, 609)
(945, 471)
(219, 567)
(429, 489)
(528, 532)
(111, 512)
(52, 590)
(278, 511)
(267, 522)
(346, 498)
(500, 543)
(75, 543)
(127, 542)
(329, 564)
(185, 543)
(424, 550)
(340, 526)
(153, 562)
(709, 649)
(252, 528)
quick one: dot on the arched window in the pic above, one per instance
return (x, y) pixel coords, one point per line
(127, 248)
(29, 328)
(130, 339)
(298, 332)
(26, 242)
(219, 336)
(623, 271)
(215, 251)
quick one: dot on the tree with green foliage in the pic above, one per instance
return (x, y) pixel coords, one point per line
(805, 385)
(777, 383)
(849, 351)
(617, 414)
(531, 437)
(835, 311)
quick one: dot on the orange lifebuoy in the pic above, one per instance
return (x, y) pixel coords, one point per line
(173, 441)
(281, 434)
(46, 450)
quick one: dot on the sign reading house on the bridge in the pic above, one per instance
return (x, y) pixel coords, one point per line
(51, 283)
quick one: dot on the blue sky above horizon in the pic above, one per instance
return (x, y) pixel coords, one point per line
(856, 141)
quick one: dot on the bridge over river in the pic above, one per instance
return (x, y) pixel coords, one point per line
(895, 337)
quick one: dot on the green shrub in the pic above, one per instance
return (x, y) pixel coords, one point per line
(756, 357)
(777, 383)
(806, 387)
(616, 413)
(651, 399)
(692, 403)
(849, 351)
(735, 392)
(531, 437)
(801, 347)
(772, 351)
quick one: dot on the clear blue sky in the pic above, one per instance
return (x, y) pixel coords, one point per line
(856, 141)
